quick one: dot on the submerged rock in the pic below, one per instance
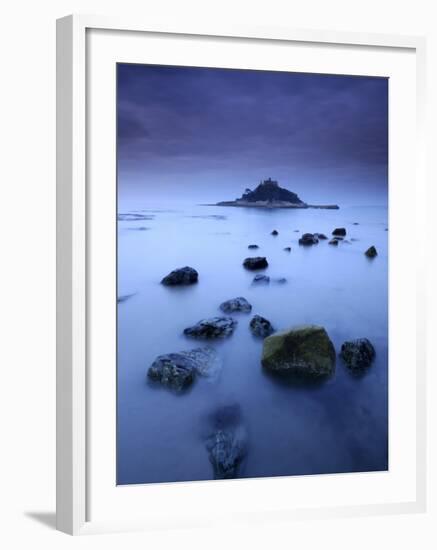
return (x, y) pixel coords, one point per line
(371, 252)
(274, 233)
(287, 249)
(259, 326)
(253, 246)
(357, 354)
(258, 262)
(334, 242)
(339, 232)
(227, 449)
(177, 371)
(280, 280)
(215, 327)
(236, 304)
(181, 276)
(304, 351)
(321, 236)
(227, 445)
(261, 279)
(124, 298)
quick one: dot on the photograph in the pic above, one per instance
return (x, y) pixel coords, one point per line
(252, 273)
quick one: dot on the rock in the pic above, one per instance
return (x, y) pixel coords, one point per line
(253, 246)
(227, 449)
(308, 239)
(321, 236)
(236, 304)
(274, 232)
(257, 262)
(182, 276)
(371, 252)
(280, 280)
(296, 231)
(261, 279)
(124, 298)
(177, 371)
(355, 223)
(357, 354)
(354, 240)
(215, 327)
(333, 241)
(260, 326)
(303, 351)
(287, 249)
(339, 231)
(337, 238)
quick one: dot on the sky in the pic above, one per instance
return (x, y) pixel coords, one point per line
(201, 134)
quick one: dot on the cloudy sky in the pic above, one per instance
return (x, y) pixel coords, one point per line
(207, 134)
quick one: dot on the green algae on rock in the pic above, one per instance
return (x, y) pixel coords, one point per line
(304, 351)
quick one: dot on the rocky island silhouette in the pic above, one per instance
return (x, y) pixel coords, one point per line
(268, 194)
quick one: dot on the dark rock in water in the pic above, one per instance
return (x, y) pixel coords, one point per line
(353, 240)
(337, 238)
(280, 280)
(355, 223)
(302, 351)
(386, 229)
(357, 354)
(261, 279)
(177, 371)
(253, 246)
(226, 449)
(216, 327)
(124, 298)
(371, 252)
(182, 276)
(236, 304)
(287, 249)
(339, 232)
(274, 232)
(308, 239)
(260, 326)
(321, 236)
(257, 262)
(296, 231)
(333, 241)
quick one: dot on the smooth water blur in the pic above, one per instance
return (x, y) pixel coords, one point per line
(337, 426)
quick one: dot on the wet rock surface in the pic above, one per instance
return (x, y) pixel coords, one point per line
(357, 354)
(260, 326)
(257, 262)
(215, 327)
(253, 246)
(177, 371)
(308, 239)
(339, 232)
(371, 252)
(236, 304)
(227, 444)
(181, 276)
(303, 351)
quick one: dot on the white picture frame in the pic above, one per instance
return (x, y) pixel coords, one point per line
(73, 277)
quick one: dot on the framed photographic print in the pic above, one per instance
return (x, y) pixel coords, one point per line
(240, 329)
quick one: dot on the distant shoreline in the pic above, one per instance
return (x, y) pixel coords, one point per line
(273, 205)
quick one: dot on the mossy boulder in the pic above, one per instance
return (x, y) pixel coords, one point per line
(300, 351)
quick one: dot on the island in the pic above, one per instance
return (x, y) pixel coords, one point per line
(268, 194)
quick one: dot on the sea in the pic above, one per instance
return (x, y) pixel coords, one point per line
(294, 428)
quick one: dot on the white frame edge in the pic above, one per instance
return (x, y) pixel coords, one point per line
(71, 342)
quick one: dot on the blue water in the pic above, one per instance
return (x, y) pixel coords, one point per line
(340, 425)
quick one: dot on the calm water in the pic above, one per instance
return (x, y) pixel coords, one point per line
(338, 426)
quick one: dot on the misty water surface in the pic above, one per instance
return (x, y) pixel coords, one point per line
(337, 426)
